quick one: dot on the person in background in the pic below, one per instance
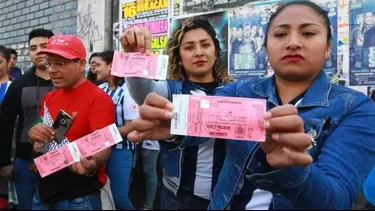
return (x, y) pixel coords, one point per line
(14, 71)
(77, 187)
(149, 157)
(91, 75)
(22, 100)
(120, 164)
(4, 84)
(319, 142)
(195, 68)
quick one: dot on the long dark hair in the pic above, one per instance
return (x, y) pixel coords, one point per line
(107, 57)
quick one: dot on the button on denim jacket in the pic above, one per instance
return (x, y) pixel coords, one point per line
(343, 156)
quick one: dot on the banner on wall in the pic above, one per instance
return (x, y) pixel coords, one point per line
(219, 21)
(201, 6)
(362, 42)
(159, 31)
(132, 11)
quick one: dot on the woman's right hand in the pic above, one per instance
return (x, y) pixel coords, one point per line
(154, 119)
(136, 40)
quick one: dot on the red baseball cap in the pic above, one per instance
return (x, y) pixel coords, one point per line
(67, 46)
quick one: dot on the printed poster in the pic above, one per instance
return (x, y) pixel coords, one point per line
(219, 21)
(247, 30)
(202, 6)
(362, 42)
(132, 11)
(159, 31)
(248, 24)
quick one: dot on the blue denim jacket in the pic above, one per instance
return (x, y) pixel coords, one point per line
(343, 157)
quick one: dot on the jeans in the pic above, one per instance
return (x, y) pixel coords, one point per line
(149, 161)
(89, 202)
(25, 181)
(119, 168)
(183, 201)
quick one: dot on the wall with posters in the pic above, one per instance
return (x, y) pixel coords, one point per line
(241, 26)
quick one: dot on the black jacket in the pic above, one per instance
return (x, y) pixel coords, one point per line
(22, 100)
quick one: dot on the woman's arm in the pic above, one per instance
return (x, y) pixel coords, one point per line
(139, 88)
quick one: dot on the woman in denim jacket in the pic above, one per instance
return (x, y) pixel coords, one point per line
(319, 147)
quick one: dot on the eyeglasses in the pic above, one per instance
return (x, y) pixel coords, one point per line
(60, 63)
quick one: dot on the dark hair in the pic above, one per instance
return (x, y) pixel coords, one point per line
(40, 33)
(5, 52)
(12, 51)
(321, 12)
(96, 54)
(176, 71)
(107, 57)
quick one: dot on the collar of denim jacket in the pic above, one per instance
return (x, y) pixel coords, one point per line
(316, 95)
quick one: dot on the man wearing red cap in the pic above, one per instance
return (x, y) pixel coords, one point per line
(77, 187)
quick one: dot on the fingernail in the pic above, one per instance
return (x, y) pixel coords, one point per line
(170, 106)
(52, 137)
(141, 50)
(267, 115)
(275, 136)
(148, 52)
(266, 125)
(168, 115)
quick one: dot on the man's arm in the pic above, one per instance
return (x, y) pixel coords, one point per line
(8, 115)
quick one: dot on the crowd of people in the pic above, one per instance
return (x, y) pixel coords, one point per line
(318, 151)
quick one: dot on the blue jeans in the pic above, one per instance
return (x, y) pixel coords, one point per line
(119, 168)
(25, 181)
(89, 202)
(183, 201)
(149, 161)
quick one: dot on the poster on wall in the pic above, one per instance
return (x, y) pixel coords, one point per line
(116, 36)
(248, 24)
(159, 31)
(362, 42)
(331, 65)
(219, 21)
(247, 29)
(201, 6)
(132, 11)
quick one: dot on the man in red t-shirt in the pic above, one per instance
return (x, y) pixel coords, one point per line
(76, 187)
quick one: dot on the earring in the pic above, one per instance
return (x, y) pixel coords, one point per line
(180, 63)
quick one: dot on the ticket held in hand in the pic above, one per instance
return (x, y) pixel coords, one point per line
(219, 117)
(71, 153)
(140, 65)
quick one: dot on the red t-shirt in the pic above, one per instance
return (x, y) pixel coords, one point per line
(91, 108)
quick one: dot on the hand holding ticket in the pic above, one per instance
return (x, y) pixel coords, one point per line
(219, 117)
(140, 65)
(71, 153)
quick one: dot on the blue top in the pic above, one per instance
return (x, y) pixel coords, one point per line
(369, 187)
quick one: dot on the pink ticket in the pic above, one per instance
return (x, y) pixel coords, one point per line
(96, 142)
(71, 153)
(140, 65)
(219, 117)
(54, 161)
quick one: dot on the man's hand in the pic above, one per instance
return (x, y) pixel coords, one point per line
(286, 141)
(85, 167)
(7, 171)
(136, 40)
(154, 120)
(41, 133)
